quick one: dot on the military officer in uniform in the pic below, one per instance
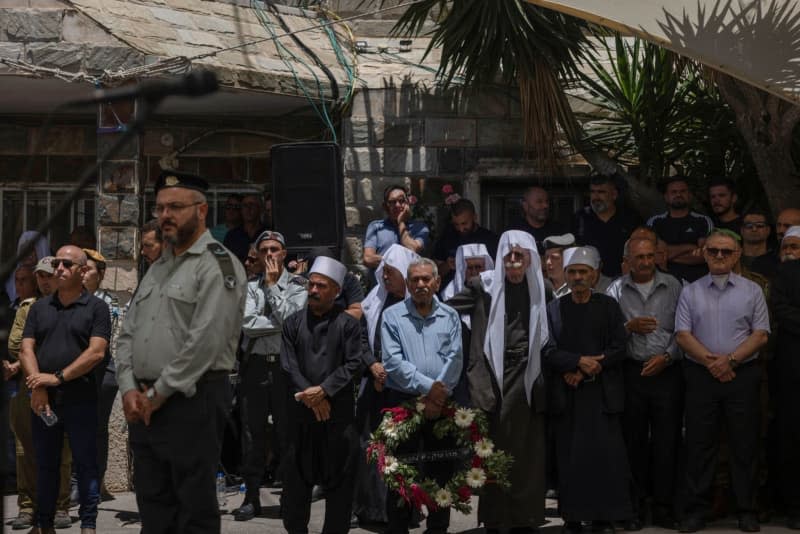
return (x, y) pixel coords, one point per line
(176, 348)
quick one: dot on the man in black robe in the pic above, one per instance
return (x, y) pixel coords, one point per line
(585, 355)
(321, 352)
(509, 327)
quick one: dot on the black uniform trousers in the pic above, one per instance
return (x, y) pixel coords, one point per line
(708, 402)
(262, 391)
(652, 424)
(176, 460)
(787, 395)
(400, 513)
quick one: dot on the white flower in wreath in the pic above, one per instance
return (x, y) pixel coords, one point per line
(443, 498)
(464, 417)
(390, 465)
(484, 448)
(476, 477)
(390, 429)
(420, 406)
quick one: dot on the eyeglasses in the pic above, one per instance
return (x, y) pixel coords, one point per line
(55, 262)
(396, 202)
(754, 225)
(172, 207)
(725, 252)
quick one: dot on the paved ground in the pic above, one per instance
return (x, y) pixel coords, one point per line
(119, 516)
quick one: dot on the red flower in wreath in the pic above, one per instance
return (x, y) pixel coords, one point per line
(464, 493)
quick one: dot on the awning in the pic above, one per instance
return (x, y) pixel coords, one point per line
(757, 41)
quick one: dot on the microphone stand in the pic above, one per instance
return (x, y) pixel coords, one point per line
(144, 109)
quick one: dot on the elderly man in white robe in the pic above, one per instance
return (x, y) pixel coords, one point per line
(369, 501)
(509, 328)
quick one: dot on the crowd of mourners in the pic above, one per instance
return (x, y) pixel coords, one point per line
(637, 371)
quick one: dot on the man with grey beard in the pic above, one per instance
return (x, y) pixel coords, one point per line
(602, 225)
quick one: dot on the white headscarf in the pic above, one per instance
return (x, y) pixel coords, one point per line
(396, 256)
(464, 253)
(494, 344)
(42, 248)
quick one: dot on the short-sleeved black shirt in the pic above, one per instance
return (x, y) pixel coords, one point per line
(608, 237)
(62, 334)
(682, 231)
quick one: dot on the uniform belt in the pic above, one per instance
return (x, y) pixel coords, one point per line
(205, 377)
(271, 358)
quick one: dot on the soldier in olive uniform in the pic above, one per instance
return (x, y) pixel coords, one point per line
(176, 348)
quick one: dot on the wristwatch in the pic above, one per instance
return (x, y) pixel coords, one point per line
(733, 361)
(667, 358)
(60, 376)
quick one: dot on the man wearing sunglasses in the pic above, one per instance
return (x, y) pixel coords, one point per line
(174, 355)
(756, 254)
(65, 337)
(396, 228)
(721, 324)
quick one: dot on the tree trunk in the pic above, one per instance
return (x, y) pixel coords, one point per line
(767, 124)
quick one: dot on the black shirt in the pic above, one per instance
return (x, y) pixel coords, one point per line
(608, 237)
(62, 334)
(686, 230)
(238, 241)
(734, 225)
(550, 228)
(766, 264)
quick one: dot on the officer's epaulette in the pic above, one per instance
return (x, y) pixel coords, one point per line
(225, 263)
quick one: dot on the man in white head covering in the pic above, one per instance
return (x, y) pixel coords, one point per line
(790, 244)
(369, 501)
(321, 352)
(509, 328)
(471, 260)
(584, 356)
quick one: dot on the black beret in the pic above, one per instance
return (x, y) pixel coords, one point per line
(171, 178)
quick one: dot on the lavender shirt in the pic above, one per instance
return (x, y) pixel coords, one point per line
(722, 319)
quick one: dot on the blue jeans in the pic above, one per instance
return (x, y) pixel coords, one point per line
(79, 421)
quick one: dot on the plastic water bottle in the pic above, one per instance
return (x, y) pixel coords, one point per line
(222, 490)
(49, 418)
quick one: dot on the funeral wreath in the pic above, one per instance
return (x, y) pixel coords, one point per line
(483, 464)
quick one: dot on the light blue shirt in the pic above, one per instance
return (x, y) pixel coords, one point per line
(418, 351)
(382, 234)
(721, 319)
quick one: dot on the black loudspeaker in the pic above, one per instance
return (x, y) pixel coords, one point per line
(308, 196)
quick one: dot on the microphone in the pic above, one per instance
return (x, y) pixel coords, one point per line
(196, 83)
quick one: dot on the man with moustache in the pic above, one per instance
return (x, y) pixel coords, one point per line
(321, 353)
(175, 352)
(684, 230)
(421, 347)
(721, 323)
(585, 354)
(509, 327)
(790, 244)
(602, 224)
(65, 337)
(271, 298)
(653, 382)
(369, 501)
(785, 300)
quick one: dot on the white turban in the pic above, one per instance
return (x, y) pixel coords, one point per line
(464, 253)
(494, 344)
(582, 256)
(331, 268)
(396, 256)
(792, 231)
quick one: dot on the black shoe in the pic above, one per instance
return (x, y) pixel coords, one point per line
(246, 512)
(692, 524)
(793, 522)
(749, 523)
(632, 525)
(606, 527)
(571, 527)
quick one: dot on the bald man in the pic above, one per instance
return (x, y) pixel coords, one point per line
(786, 218)
(65, 337)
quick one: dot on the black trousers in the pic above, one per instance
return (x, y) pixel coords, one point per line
(262, 391)
(398, 512)
(787, 395)
(105, 402)
(176, 460)
(708, 403)
(652, 424)
(321, 453)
